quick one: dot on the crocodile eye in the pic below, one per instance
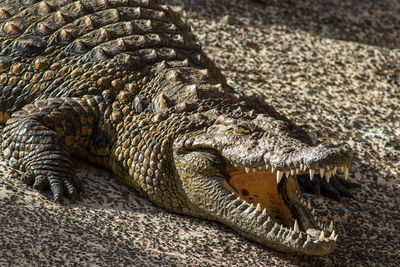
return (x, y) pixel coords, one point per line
(243, 129)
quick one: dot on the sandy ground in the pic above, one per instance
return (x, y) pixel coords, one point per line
(331, 66)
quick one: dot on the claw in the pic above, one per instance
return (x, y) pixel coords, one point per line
(58, 200)
(40, 183)
(70, 190)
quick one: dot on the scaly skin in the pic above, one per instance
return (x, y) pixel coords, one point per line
(124, 84)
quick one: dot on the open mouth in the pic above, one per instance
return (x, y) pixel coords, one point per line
(277, 195)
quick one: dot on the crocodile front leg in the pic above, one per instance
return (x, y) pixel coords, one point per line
(40, 138)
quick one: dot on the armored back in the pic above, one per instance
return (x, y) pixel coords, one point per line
(73, 48)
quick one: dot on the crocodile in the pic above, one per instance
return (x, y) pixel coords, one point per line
(126, 85)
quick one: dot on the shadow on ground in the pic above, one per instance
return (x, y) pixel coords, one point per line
(367, 22)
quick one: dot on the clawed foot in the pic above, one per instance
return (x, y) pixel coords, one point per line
(58, 185)
(336, 187)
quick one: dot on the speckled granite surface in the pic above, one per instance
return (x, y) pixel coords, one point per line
(332, 66)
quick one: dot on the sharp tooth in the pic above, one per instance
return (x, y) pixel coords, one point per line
(328, 178)
(327, 175)
(313, 212)
(287, 174)
(243, 204)
(272, 168)
(308, 205)
(254, 213)
(346, 173)
(249, 209)
(332, 235)
(254, 169)
(322, 236)
(301, 166)
(266, 166)
(335, 238)
(334, 170)
(311, 174)
(265, 224)
(292, 172)
(279, 175)
(321, 172)
(264, 213)
(258, 207)
(308, 238)
(260, 168)
(296, 227)
(235, 165)
(331, 226)
(297, 171)
(247, 170)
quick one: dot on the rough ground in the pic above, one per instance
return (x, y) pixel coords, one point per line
(332, 66)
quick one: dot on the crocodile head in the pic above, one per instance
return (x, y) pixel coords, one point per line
(243, 173)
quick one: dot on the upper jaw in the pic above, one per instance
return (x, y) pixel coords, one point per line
(286, 156)
(323, 159)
